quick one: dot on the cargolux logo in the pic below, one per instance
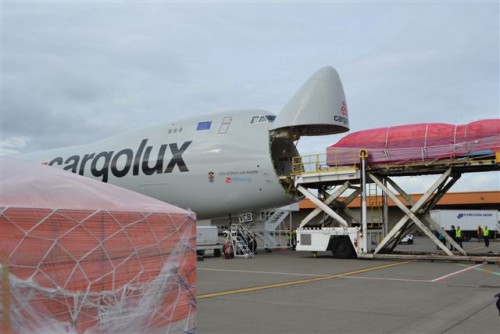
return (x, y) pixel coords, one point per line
(342, 119)
(343, 109)
(120, 163)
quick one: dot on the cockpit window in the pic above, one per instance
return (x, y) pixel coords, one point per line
(262, 119)
(255, 119)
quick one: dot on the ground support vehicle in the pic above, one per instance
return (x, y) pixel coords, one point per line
(323, 184)
(342, 242)
(207, 239)
(407, 239)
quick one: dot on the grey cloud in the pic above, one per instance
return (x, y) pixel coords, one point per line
(77, 71)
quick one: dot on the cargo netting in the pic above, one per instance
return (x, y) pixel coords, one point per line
(81, 256)
(415, 143)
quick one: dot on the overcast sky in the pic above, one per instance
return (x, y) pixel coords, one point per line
(76, 71)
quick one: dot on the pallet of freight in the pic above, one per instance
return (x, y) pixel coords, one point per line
(82, 256)
(416, 143)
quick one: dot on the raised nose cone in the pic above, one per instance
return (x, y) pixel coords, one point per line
(318, 108)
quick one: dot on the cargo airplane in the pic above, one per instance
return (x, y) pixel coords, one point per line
(228, 163)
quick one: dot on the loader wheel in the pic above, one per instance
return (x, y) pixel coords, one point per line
(342, 248)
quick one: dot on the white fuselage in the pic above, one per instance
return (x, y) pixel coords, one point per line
(214, 165)
(219, 164)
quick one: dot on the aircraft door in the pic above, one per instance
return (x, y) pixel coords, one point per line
(225, 125)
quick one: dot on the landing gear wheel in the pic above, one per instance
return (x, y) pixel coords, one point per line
(342, 248)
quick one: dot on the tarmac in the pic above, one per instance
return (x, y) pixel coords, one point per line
(286, 291)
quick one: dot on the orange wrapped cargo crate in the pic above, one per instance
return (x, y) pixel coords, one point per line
(88, 257)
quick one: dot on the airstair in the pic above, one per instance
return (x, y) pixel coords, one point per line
(270, 232)
(242, 241)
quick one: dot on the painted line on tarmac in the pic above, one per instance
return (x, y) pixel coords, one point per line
(315, 275)
(477, 248)
(302, 281)
(486, 271)
(391, 279)
(455, 273)
(261, 272)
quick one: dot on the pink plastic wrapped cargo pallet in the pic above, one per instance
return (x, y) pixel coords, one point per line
(88, 257)
(415, 143)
